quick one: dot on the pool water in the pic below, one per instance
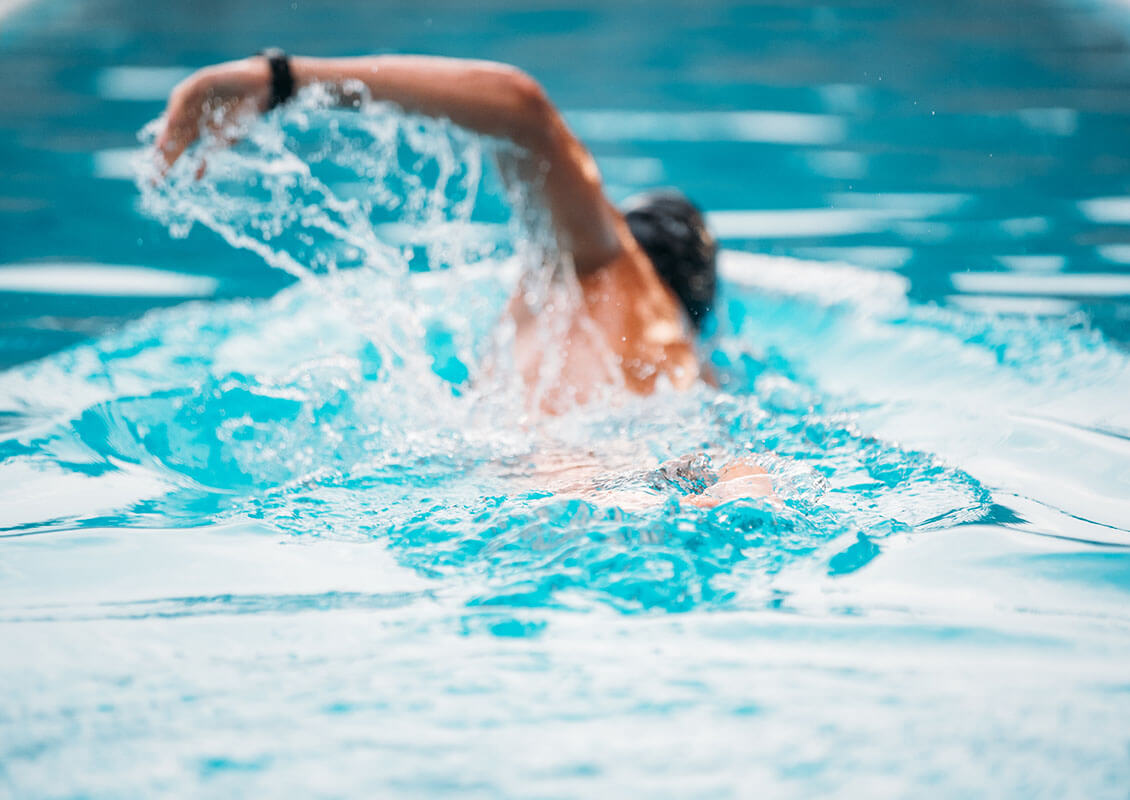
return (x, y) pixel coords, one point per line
(271, 527)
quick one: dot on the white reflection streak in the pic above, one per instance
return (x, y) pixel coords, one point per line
(879, 257)
(103, 280)
(781, 127)
(1106, 209)
(1033, 263)
(1023, 306)
(924, 203)
(1066, 285)
(115, 163)
(149, 84)
(821, 222)
(1116, 253)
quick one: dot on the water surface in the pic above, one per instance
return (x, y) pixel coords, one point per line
(268, 528)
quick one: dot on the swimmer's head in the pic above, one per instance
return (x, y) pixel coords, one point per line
(673, 233)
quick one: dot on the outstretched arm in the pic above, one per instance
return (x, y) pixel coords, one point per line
(738, 480)
(482, 96)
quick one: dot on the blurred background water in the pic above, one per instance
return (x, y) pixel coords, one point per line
(250, 545)
(977, 149)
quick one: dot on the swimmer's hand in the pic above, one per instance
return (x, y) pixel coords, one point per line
(736, 480)
(484, 97)
(215, 98)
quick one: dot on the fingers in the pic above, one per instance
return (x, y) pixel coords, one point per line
(182, 118)
(217, 98)
(169, 148)
(752, 486)
(699, 500)
(740, 468)
(183, 123)
(193, 102)
(181, 129)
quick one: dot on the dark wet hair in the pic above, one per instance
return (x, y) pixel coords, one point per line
(673, 233)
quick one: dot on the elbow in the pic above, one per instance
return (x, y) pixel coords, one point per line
(529, 96)
(535, 117)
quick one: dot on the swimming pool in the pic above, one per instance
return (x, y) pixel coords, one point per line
(278, 540)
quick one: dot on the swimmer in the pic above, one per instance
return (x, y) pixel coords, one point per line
(647, 273)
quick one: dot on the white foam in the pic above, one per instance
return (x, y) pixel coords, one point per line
(36, 492)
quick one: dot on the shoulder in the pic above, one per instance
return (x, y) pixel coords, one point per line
(641, 321)
(628, 285)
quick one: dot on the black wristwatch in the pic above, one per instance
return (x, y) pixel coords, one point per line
(282, 81)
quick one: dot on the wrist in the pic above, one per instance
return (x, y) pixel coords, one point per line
(301, 71)
(281, 78)
(257, 73)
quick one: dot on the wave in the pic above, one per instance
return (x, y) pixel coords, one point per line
(354, 403)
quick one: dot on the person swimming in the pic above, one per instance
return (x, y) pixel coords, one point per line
(647, 273)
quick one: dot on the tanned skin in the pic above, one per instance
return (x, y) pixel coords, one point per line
(627, 309)
(626, 303)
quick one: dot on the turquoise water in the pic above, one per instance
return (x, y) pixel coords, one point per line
(269, 527)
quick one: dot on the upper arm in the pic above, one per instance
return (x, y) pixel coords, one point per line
(486, 97)
(587, 224)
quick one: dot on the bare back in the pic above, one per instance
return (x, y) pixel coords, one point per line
(628, 331)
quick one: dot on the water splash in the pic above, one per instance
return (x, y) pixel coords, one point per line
(348, 405)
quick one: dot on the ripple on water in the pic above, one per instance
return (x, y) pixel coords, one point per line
(350, 406)
(325, 440)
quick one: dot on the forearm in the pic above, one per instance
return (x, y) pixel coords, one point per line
(497, 100)
(482, 96)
